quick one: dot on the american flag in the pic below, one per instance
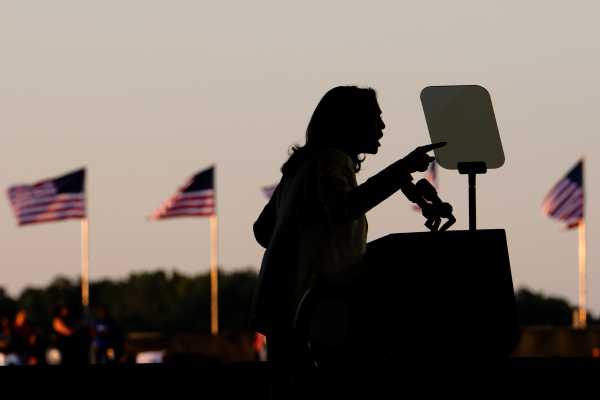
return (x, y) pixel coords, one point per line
(49, 200)
(431, 176)
(565, 201)
(194, 199)
(269, 190)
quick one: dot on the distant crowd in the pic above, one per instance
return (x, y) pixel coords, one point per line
(76, 337)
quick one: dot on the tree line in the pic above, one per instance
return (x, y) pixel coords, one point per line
(157, 301)
(170, 302)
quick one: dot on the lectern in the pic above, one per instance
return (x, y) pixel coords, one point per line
(438, 294)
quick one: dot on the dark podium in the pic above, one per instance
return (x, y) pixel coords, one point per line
(438, 294)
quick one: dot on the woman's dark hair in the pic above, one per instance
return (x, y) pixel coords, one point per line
(335, 123)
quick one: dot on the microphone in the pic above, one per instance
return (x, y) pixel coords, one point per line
(427, 191)
(433, 208)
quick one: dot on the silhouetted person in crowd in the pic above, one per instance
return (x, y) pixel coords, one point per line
(259, 346)
(107, 340)
(25, 341)
(72, 336)
(5, 330)
(314, 227)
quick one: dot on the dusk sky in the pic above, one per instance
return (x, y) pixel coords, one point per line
(146, 93)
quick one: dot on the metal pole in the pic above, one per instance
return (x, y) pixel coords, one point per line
(214, 275)
(472, 203)
(582, 320)
(85, 264)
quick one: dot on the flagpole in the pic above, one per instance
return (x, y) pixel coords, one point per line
(85, 263)
(214, 274)
(582, 320)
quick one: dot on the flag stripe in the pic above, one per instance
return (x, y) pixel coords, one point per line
(191, 198)
(575, 214)
(199, 193)
(574, 204)
(53, 216)
(60, 206)
(560, 187)
(190, 211)
(31, 194)
(49, 200)
(558, 193)
(567, 202)
(576, 209)
(191, 205)
(563, 197)
(556, 196)
(186, 214)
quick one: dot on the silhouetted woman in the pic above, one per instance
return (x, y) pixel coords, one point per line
(314, 227)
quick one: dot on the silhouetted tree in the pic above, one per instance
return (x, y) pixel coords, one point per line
(8, 306)
(538, 309)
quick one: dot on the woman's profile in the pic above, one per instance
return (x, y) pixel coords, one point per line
(314, 227)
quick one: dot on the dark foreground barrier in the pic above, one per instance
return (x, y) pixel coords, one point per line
(252, 380)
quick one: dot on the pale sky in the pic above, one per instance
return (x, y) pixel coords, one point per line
(145, 93)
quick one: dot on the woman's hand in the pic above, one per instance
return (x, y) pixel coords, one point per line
(418, 160)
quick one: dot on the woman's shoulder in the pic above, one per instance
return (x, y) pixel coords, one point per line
(334, 159)
(325, 161)
(333, 156)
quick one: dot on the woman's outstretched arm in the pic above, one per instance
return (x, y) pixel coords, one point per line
(343, 200)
